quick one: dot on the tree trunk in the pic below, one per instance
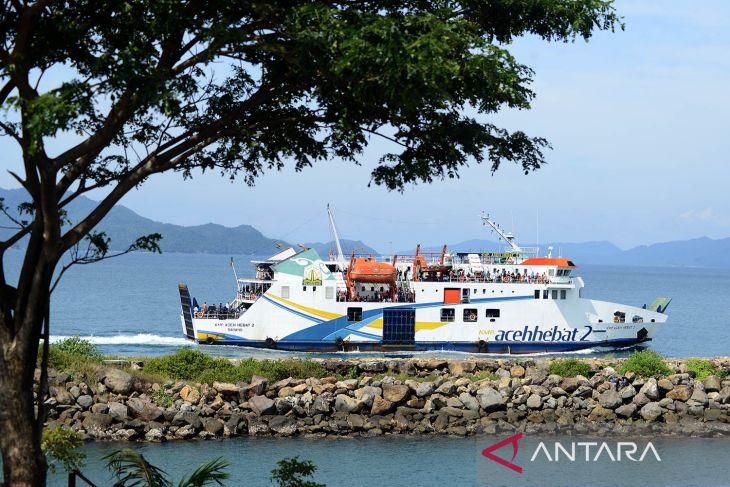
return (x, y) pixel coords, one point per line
(24, 464)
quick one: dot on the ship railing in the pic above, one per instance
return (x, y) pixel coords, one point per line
(218, 314)
(499, 280)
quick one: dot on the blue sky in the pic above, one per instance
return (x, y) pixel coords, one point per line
(639, 124)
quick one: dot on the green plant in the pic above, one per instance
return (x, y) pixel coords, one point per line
(194, 365)
(132, 469)
(162, 398)
(645, 363)
(353, 373)
(292, 472)
(482, 375)
(61, 446)
(78, 346)
(569, 367)
(704, 368)
(76, 356)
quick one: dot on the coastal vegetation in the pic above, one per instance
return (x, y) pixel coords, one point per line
(570, 367)
(702, 369)
(645, 363)
(193, 365)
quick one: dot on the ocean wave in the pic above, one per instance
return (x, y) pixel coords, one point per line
(138, 339)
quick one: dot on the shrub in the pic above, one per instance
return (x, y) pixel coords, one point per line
(194, 365)
(74, 355)
(704, 368)
(569, 367)
(185, 364)
(162, 398)
(77, 346)
(645, 363)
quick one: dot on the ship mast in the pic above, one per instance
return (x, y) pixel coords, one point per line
(336, 238)
(506, 236)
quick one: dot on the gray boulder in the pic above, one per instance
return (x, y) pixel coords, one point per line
(347, 404)
(262, 405)
(118, 411)
(651, 411)
(626, 411)
(534, 401)
(489, 399)
(469, 401)
(425, 388)
(367, 394)
(116, 380)
(85, 401)
(381, 406)
(712, 383)
(395, 394)
(283, 425)
(610, 399)
(96, 423)
(212, 425)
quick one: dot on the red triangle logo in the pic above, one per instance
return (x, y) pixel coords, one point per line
(487, 452)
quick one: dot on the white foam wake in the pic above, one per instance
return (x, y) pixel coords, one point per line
(138, 339)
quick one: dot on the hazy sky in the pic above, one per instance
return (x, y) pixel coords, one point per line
(639, 124)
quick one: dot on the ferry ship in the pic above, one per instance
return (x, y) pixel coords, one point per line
(509, 302)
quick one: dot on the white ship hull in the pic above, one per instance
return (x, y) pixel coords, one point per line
(513, 302)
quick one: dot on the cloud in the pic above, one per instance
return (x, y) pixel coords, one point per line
(706, 215)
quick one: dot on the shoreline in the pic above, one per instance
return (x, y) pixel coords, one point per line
(373, 397)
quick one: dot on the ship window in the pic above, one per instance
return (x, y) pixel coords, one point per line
(537, 294)
(492, 312)
(563, 293)
(555, 294)
(354, 314)
(285, 292)
(470, 315)
(544, 294)
(304, 288)
(314, 288)
(448, 314)
(329, 292)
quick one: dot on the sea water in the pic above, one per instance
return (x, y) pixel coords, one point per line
(427, 462)
(130, 305)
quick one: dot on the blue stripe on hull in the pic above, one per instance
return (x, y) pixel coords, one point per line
(469, 347)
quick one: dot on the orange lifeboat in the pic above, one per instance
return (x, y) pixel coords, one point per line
(363, 269)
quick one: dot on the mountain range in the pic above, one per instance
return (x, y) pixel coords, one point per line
(123, 226)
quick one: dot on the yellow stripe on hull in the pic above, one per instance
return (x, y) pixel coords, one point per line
(306, 309)
(205, 336)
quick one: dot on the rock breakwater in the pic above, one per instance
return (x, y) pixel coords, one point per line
(391, 397)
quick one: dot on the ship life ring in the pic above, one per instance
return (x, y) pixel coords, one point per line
(199, 314)
(461, 279)
(253, 297)
(510, 260)
(270, 342)
(472, 317)
(506, 279)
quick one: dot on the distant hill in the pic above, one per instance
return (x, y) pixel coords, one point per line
(323, 249)
(124, 226)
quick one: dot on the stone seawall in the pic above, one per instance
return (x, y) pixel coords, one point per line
(396, 397)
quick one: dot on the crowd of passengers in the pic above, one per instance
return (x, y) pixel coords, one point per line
(222, 311)
(496, 275)
(402, 296)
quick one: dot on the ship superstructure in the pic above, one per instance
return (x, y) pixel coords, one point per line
(512, 301)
